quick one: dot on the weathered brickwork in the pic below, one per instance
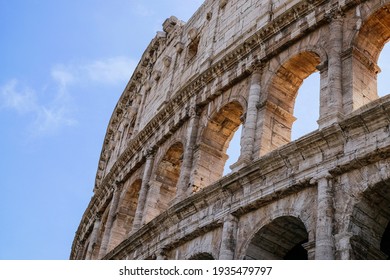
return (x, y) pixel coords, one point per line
(160, 192)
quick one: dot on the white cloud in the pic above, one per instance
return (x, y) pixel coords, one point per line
(45, 118)
(62, 76)
(143, 11)
(20, 100)
(50, 113)
(51, 119)
(111, 71)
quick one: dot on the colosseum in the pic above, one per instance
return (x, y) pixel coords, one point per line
(160, 192)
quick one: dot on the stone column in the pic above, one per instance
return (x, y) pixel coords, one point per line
(229, 236)
(325, 212)
(249, 128)
(334, 94)
(110, 220)
(143, 191)
(93, 238)
(188, 156)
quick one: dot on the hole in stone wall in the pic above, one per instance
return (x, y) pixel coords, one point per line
(233, 150)
(384, 75)
(307, 106)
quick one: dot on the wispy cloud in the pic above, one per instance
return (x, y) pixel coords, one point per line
(111, 71)
(21, 100)
(51, 109)
(143, 10)
(46, 118)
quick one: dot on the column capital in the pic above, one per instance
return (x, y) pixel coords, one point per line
(194, 111)
(98, 216)
(150, 152)
(256, 67)
(335, 15)
(321, 175)
(118, 185)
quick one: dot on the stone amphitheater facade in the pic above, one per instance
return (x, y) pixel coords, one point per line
(160, 192)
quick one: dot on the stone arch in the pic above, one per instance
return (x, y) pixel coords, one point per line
(210, 154)
(282, 88)
(366, 46)
(374, 33)
(281, 238)
(163, 187)
(370, 223)
(202, 256)
(125, 213)
(276, 110)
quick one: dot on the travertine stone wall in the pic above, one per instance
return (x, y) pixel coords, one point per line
(159, 191)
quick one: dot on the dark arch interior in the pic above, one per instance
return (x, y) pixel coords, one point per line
(297, 252)
(370, 224)
(385, 242)
(202, 256)
(280, 239)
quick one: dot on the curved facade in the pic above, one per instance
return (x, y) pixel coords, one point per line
(160, 192)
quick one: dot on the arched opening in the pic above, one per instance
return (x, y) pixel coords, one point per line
(370, 224)
(368, 46)
(233, 150)
(280, 239)
(167, 176)
(384, 75)
(307, 106)
(202, 256)
(125, 214)
(211, 154)
(278, 110)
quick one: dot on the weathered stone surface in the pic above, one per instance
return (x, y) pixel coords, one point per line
(159, 191)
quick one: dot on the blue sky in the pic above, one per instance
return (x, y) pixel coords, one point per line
(64, 65)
